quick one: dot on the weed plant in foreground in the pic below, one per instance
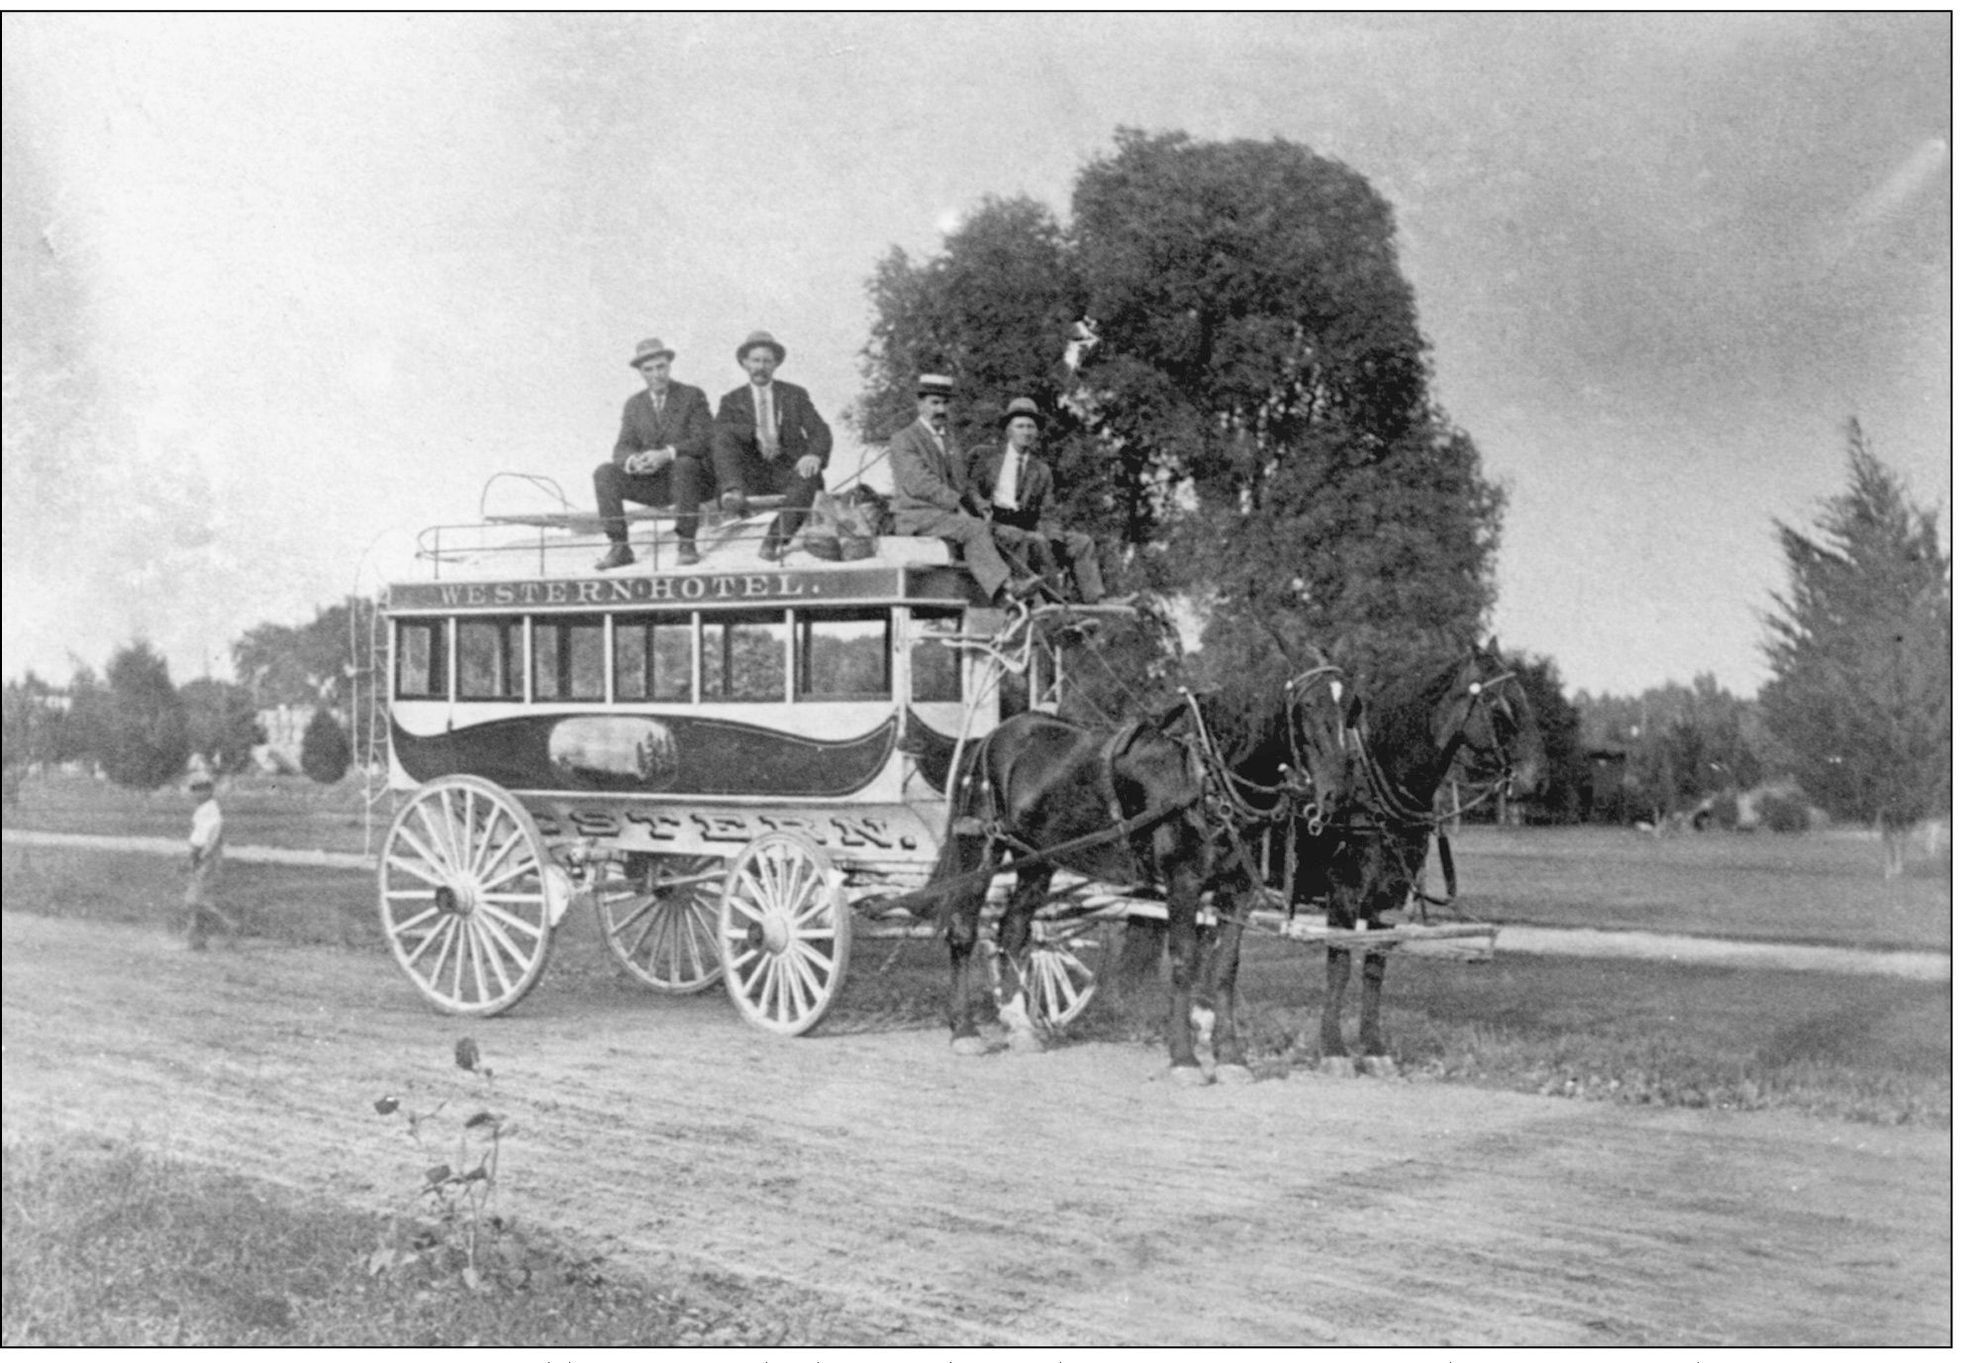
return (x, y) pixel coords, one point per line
(106, 1246)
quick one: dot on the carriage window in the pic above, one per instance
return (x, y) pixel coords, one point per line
(422, 664)
(568, 659)
(489, 660)
(742, 657)
(936, 664)
(653, 659)
(844, 657)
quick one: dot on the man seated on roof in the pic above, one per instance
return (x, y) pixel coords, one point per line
(769, 437)
(1013, 484)
(660, 459)
(931, 496)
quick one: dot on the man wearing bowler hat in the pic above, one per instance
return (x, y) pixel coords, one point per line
(1013, 484)
(770, 438)
(931, 495)
(660, 459)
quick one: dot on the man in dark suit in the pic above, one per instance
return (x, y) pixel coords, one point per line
(770, 438)
(931, 496)
(661, 457)
(1013, 484)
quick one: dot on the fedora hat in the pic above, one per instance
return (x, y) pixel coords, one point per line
(649, 349)
(757, 338)
(1022, 407)
(934, 386)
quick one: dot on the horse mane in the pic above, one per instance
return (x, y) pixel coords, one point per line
(1399, 714)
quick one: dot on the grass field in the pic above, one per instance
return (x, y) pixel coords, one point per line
(106, 1245)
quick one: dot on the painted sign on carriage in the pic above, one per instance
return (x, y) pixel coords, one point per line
(876, 832)
(660, 589)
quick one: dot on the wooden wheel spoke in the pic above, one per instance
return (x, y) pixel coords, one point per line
(440, 850)
(443, 932)
(498, 948)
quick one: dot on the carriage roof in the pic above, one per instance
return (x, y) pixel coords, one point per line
(544, 563)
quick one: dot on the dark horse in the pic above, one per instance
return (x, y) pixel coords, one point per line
(1367, 861)
(1169, 804)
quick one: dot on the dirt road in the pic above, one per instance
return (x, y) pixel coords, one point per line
(878, 1189)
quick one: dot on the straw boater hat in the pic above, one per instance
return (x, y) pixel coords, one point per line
(650, 349)
(1022, 407)
(755, 339)
(934, 386)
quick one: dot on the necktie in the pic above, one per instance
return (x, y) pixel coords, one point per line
(766, 424)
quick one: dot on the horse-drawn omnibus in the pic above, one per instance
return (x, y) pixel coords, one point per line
(722, 758)
(731, 761)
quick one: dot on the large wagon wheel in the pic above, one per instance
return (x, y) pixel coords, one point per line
(1059, 981)
(469, 895)
(658, 917)
(785, 933)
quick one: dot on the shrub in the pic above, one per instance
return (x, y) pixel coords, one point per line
(1783, 814)
(324, 751)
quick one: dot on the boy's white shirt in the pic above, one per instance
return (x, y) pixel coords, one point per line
(207, 826)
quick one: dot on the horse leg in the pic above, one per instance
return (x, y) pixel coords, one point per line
(963, 917)
(1182, 918)
(1229, 1051)
(1031, 889)
(1335, 1056)
(1376, 1056)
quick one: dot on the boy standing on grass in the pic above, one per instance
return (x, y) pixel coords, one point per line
(207, 858)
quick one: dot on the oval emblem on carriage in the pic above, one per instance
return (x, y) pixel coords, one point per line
(615, 752)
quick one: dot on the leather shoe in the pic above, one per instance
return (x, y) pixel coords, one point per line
(616, 556)
(735, 504)
(687, 555)
(773, 551)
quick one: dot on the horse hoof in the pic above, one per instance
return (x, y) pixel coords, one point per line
(1379, 1067)
(1190, 1076)
(1233, 1074)
(971, 1045)
(1338, 1066)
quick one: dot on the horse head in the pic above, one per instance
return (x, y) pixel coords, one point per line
(1488, 715)
(1318, 711)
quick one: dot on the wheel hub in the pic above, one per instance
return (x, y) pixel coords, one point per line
(772, 934)
(457, 900)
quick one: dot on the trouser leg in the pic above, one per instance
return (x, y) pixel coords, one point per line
(687, 484)
(1080, 550)
(799, 493)
(609, 496)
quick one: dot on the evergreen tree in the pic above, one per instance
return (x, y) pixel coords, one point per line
(147, 735)
(1860, 655)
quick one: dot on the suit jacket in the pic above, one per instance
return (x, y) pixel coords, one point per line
(683, 423)
(1033, 487)
(926, 480)
(800, 430)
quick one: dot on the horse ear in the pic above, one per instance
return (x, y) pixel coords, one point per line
(1492, 645)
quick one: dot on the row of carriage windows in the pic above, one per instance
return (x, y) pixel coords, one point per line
(842, 655)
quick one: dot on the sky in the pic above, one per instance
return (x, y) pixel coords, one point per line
(280, 291)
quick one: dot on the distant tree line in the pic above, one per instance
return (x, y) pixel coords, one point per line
(140, 730)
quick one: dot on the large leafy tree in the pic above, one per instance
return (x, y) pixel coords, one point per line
(148, 734)
(1261, 380)
(995, 310)
(1683, 743)
(1859, 649)
(308, 664)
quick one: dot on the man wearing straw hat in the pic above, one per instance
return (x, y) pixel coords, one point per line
(769, 437)
(660, 459)
(1014, 483)
(931, 496)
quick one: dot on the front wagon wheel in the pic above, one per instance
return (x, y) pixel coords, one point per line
(469, 895)
(785, 933)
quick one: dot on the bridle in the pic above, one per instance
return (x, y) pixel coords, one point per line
(1404, 808)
